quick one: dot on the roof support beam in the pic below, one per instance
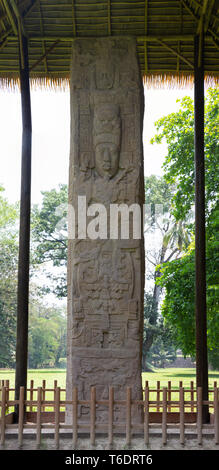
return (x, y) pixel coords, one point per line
(200, 261)
(30, 8)
(3, 44)
(18, 16)
(28, 11)
(175, 53)
(44, 55)
(208, 14)
(42, 31)
(197, 18)
(150, 38)
(202, 17)
(10, 17)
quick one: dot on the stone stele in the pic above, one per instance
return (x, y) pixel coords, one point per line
(105, 276)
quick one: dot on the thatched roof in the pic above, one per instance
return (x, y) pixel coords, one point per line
(164, 31)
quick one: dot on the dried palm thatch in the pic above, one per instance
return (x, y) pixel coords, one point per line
(164, 32)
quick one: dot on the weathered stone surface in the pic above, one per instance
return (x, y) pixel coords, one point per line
(105, 276)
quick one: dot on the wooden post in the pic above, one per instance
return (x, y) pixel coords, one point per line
(55, 386)
(200, 262)
(180, 386)
(57, 416)
(199, 414)
(44, 393)
(128, 415)
(216, 416)
(24, 238)
(21, 416)
(38, 424)
(192, 396)
(110, 427)
(182, 417)
(3, 411)
(7, 385)
(146, 416)
(169, 395)
(75, 416)
(158, 395)
(164, 417)
(31, 393)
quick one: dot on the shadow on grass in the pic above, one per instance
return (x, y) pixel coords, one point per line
(210, 375)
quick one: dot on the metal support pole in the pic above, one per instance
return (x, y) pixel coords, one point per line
(24, 238)
(200, 268)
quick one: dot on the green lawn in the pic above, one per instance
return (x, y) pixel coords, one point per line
(163, 375)
(176, 375)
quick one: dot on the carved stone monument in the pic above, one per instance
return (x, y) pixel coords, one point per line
(105, 276)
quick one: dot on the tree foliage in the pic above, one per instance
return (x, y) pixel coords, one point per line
(47, 325)
(49, 235)
(177, 129)
(8, 280)
(47, 335)
(171, 238)
(178, 276)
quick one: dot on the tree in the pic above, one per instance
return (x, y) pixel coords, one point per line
(47, 335)
(177, 129)
(50, 237)
(178, 276)
(8, 279)
(47, 325)
(172, 238)
(178, 279)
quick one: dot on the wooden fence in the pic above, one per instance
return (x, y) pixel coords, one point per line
(177, 411)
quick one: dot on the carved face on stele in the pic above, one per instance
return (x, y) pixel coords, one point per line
(107, 159)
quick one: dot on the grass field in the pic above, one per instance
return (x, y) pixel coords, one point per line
(163, 375)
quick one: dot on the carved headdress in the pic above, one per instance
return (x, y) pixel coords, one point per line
(107, 124)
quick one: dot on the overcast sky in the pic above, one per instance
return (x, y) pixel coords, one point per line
(51, 137)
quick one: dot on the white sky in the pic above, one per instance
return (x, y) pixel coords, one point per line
(51, 137)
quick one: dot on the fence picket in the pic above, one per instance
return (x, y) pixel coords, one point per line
(55, 386)
(44, 393)
(192, 395)
(3, 412)
(216, 415)
(38, 424)
(21, 417)
(158, 395)
(199, 415)
(7, 384)
(164, 417)
(146, 416)
(75, 416)
(169, 395)
(128, 415)
(57, 416)
(31, 393)
(92, 415)
(111, 410)
(182, 417)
